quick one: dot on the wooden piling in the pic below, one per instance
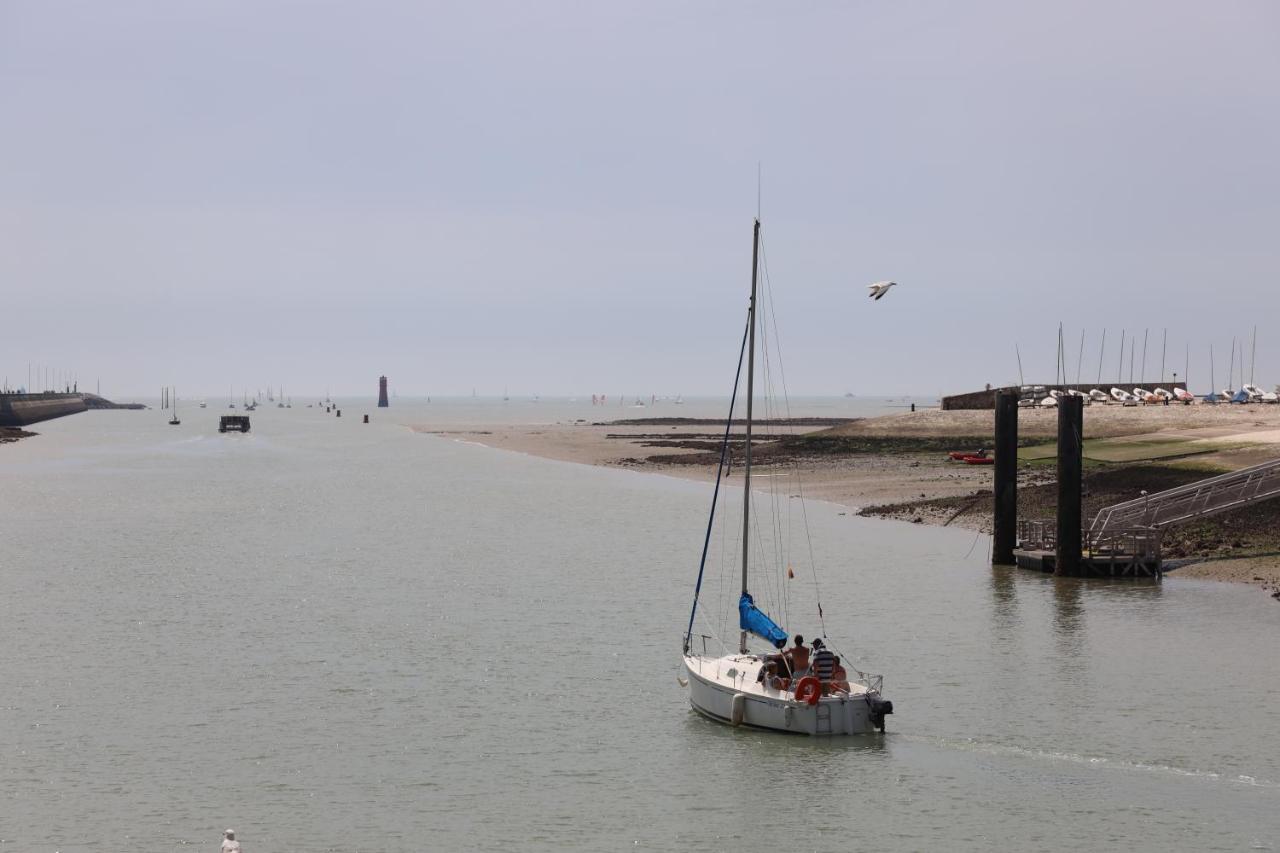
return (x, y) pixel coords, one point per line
(1070, 483)
(1005, 508)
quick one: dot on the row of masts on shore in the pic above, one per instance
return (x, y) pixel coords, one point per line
(1235, 364)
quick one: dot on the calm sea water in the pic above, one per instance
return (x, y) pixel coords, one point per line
(335, 636)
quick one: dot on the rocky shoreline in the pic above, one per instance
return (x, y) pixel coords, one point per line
(10, 434)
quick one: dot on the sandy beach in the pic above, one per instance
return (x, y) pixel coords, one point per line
(895, 466)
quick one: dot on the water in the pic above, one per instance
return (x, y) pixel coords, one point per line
(335, 636)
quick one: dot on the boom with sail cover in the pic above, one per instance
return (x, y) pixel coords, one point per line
(753, 620)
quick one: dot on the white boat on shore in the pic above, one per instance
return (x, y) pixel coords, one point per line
(1182, 395)
(1072, 392)
(745, 688)
(1098, 396)
(1143, 395)
(1124, 397)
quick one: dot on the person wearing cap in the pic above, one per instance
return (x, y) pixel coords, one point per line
(229, 843)
(824, 664)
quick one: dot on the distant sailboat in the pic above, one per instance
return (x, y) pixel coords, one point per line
(173, 421)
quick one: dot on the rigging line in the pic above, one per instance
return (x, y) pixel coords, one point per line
(782, 549)
(786, 397)
(702, 564)
(774, 514)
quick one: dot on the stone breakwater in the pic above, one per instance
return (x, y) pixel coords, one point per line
(18, 410)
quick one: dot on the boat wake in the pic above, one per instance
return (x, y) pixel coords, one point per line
(1119, 764)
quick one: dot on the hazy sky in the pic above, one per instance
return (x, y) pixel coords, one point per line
(557, 197)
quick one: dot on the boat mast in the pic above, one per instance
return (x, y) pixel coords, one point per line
(751, 368)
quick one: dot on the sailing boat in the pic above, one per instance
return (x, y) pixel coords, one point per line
(173, 421)
(738, 688)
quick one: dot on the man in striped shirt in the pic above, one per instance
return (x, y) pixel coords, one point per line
(823, 664)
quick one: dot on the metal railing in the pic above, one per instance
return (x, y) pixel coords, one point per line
(1127, 543)
(1194, 500)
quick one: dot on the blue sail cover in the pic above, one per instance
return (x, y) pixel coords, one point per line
(1241, 397)
(750, 618)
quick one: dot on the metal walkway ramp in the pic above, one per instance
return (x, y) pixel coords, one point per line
(1194, 500)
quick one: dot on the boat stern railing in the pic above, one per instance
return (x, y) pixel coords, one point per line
(873, 683)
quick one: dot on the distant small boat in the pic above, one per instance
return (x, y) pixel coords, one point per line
(1163, 394)
(1098, 396)
(1183, 395)
(173, 421)
(203, 404)
(1049, 402)
(979, 460)
(962, 455)
(1144, 395)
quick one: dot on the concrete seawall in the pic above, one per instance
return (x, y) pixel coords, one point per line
(18, 410)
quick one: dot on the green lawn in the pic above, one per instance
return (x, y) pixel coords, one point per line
(1135, 449)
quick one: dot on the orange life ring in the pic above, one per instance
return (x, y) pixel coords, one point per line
(808, 689)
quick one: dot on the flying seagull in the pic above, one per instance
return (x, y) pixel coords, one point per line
(880, 288)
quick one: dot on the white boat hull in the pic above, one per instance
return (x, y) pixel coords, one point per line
(716, 684)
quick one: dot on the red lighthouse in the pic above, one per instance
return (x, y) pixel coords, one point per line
(382, 392)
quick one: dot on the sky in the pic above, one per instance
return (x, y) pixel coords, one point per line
(557, 198)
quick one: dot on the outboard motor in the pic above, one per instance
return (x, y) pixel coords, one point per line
(880, 708)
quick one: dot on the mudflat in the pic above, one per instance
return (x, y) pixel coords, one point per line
(896, 466)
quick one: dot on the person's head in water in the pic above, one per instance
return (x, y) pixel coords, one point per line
(230, 835)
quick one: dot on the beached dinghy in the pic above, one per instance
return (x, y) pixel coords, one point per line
(1144, 395)
(742, 687)
(1098, 396)
(1121, 396)
(1162, 394)
(1085, 398)
(1183, 395)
